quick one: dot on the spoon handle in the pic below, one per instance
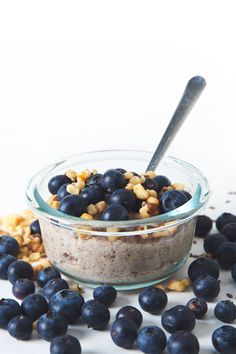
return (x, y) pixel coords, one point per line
(194, 88)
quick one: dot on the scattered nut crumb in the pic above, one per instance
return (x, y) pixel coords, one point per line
(178, 285)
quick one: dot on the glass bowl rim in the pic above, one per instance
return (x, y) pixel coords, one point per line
(161, 221)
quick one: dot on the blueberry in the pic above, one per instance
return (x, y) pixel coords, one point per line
(233, 271)
(56, 182)
(201, 266)
(131, 313)
(20, 327)
(94, 179)
(226, 254)
(67, 302)
(112, 180)
(151, 340)
(9, 245)
(206, 287)
(229, 230)
(51, 325)
(47, 274)
(34, 306)
(115, 213)
(92, 194)
(171, 200)
(150, 183)
(18, 270)
(105, 294)
(121, 170)
(162, 181)
(9, 308)
(65, 345)
(53, 286)
(123, 197)
(224, 340)
(224, 219)
(187, 195)
(183, 342)
(73, 205)
(198, 307)
(5, 261)
(178, 318)
(203, 225)
(22, 288)
(62, 193)
(212, 242)
(95, 314)
(152, 300)
(225, 311)
(138, 205)
(124, 332)
(35, 228)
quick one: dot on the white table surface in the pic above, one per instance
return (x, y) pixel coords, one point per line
(99, 342)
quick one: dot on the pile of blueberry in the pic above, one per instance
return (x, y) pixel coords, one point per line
(110, 187)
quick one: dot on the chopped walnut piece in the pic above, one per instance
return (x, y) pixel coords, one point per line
(92, 210)
(150, 174)
(178, 285)
(140, 191)
(153, 200)
(135, 180)
(178, 186)
(100, 206)
(71, 174)
(87, 216)
(128, 175)
(160, 286)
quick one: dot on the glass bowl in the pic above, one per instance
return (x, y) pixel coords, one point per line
(126, 254)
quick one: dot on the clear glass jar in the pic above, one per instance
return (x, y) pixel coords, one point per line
(128, 254)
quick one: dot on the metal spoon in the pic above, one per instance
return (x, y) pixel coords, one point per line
(194, 88)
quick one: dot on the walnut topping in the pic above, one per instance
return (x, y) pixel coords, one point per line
(128, 175)
(178, 285)
(140, 191)
(87, 216)
(71, 174)
(178, 186)
(92, 210)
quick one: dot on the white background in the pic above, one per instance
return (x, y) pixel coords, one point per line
(86, 75)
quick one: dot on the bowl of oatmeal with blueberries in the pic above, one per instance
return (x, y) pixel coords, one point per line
(104, 220)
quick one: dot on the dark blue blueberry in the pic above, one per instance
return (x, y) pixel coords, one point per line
(47, 274)
(187, 195)
(51, 325)
(224, 219)
(35, 228)
(198, 307)
(150, 183)
(5, 261)
(22, 288)
(65, 345)
(178, 318)
(115, 213)
(121, 170)
(18, 270)
(9, 245)
(34, 306)
(171, 200)
(212, 242)
(132, 313)
(233, 271)
(20, 327)
(151, 340)
(123, 197)
(105, 294)
(206, 287)
(95, 314)
(94, 179)
(183, 342)
(138, 205)
(92, 194)
(112, 180)
(9, 308)
(152, 300)
(73, 205)
(67, 302)
(225, 311)
(224, 340)
(62, 193)
(124, 332)
(201, 266)
(226, 254)
(203, 225)
(56, 182)
(229, 230)
(53, 286)
(162, 181)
